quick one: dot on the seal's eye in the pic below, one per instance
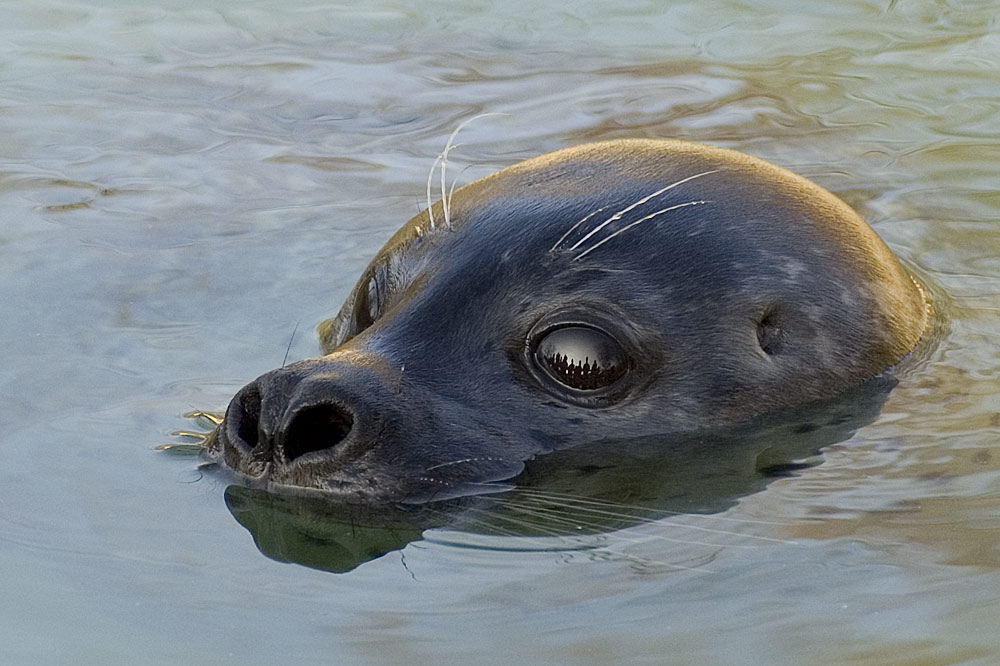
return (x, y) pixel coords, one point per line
(581, 357)
(370, 300)
(366, 306)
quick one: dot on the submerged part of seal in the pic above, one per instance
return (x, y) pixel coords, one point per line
(595, 488)
(612, 291)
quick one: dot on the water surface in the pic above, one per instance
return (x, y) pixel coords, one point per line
(182, 186)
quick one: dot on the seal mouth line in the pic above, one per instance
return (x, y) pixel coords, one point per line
(639, 221)
(617, 216)
(466, 461)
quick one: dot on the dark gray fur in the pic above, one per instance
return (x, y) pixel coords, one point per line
(767, 293)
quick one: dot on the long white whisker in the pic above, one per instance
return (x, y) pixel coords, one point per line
(629, 226)
(430, 178)
(445, 203)
(445, 200)
(574, 227)
(696, 528)
(553, 516)
(481, 523)
(617, 216)
(581, 500)
(520, 521)
(466, 461)
(633, 540)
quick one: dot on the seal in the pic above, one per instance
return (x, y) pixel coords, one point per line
(623, 290)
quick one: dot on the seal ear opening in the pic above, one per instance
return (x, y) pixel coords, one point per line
(770, 333)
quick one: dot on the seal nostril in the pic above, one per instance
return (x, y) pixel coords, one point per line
(246, 418)
(316, 429)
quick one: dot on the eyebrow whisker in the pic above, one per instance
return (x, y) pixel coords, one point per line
(617, 216)
(629, 226)
(575, 226)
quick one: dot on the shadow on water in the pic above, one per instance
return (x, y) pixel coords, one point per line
(594, 488)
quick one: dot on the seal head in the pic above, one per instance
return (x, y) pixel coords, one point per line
(611, 291)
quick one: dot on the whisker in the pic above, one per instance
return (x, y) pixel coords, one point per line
(594, 547)
(629, 226)
(290, 339)
(466, 461)
(538, 527)
(617, 216)
(470, 519)
(697, 528)
(444, 484)
(190, 434)
(445, 203)
(445, 200)
(547, 523)
(580, 500)
(493, 528)
(574, 227)
(558, 513)
(214, 418)
(430, 179)
(579, 504)
(554, 516)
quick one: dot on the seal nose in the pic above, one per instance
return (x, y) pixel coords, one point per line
(317, 406)
(315, 427)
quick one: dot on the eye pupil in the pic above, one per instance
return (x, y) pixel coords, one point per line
(581, 357)
(585, 377)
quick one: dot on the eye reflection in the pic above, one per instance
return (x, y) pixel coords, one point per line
(581, 357)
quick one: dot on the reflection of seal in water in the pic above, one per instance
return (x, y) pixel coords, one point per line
(576, 491)
(613, 291)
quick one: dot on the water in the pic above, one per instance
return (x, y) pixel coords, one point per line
(182, 185)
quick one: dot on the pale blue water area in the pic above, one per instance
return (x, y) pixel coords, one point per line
(182, 185)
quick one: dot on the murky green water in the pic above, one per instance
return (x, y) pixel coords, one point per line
(182, 185)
